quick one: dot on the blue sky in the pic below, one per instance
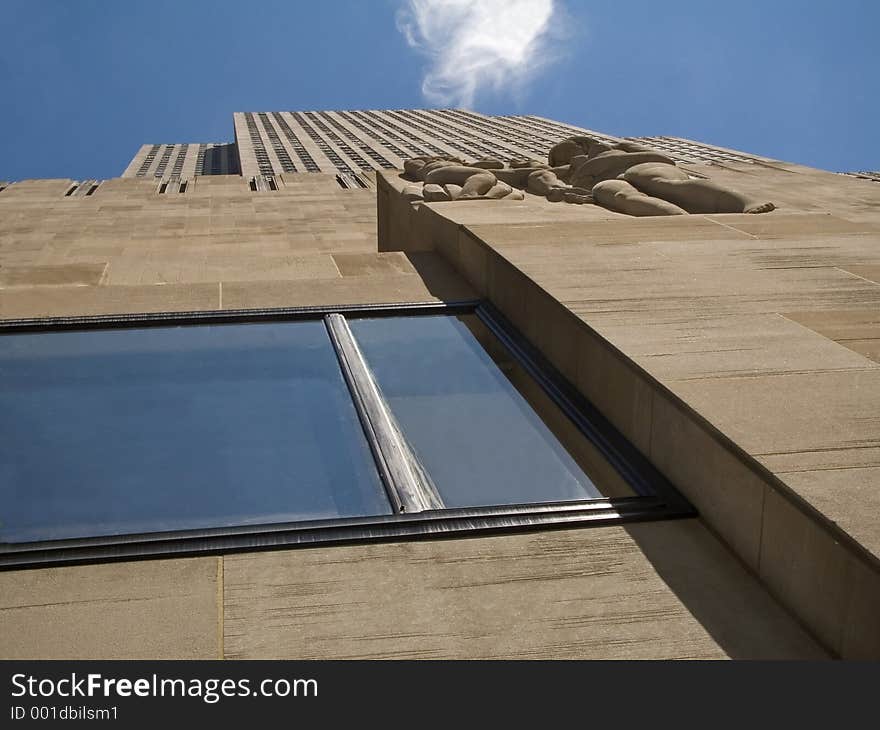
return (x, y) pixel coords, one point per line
(85, 83)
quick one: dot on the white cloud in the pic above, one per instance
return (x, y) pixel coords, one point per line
(477, 44)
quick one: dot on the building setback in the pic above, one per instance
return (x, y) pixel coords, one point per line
(183, 161)
(733, 356)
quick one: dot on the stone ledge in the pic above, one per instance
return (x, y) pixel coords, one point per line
(783, 539)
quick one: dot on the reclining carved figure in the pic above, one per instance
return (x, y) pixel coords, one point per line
(625, 177)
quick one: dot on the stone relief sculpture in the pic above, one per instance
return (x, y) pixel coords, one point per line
(624, 177)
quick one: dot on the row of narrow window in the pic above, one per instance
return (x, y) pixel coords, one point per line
(416, 129)
(536, 132)
(163, 161)
(260, 153)
(177, 169)
(388, 128)
(344, 146)
(82, 189)
(200, 157)
(298, 147)
(448, 124)
(527, 133)
(494, 126)
(348, 117)
(148, 160)
(558, 130)
(383, 130)
(544, 137)
(331, 154)
(369, 151)
(263, 183)
(691, 150)
(433, 149)
(478, 124)
(446, 131)
(280, 152)
(173, 186)
(211, 159)
(259, 183)
(351, 182)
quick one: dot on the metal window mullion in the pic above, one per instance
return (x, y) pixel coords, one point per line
(407, 483)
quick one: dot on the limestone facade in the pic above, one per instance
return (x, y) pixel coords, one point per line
(738, 353)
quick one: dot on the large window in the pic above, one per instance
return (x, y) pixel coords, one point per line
(237, 430)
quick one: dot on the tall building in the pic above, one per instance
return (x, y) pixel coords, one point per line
(351, 144)
(646, 437)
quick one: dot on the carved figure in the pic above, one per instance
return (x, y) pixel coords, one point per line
(695, 196)
(610, 164)
(626, 177)
(620, 196)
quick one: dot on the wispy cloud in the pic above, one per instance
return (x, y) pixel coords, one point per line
(478, 44)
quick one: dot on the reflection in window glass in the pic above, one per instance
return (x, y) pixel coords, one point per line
(142, 430)
(479, 436)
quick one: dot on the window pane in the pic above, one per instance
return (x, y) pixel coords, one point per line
(122, 431)
(483, 429)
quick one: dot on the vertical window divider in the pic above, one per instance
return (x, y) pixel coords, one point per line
(406, 481)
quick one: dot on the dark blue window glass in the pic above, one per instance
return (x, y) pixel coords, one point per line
(143, 430)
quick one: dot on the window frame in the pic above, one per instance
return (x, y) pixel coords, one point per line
(655, 497)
